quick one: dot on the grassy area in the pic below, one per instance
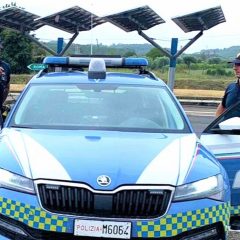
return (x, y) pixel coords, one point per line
(193, 79)
(193, 84)
(197, 80)
(20, 78)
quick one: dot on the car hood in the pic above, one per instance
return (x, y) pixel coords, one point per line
(83, 156)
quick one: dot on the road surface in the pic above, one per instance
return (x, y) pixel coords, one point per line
(200, 116)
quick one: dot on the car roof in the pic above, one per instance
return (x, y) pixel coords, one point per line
(82, 77)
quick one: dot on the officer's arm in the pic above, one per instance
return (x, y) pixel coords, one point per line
(220, 110)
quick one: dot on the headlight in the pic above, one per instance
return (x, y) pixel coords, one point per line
(16, 182)
(212, 187)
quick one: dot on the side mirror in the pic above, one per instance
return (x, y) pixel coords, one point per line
(230, 124)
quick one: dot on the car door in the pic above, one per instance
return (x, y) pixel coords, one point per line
(222, 137)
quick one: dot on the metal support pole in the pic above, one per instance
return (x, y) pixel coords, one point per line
(188, 44)
(68, 44)
(59, 45)
(165, 52)
(40, 44)
(173, 62)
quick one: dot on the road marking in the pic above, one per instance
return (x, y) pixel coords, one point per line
(199, 113)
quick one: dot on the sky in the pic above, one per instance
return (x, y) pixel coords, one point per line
(223, 35)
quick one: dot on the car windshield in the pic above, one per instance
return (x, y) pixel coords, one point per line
(99, 106)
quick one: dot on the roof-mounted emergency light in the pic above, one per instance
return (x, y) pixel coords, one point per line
(85, 61)
(97, 69)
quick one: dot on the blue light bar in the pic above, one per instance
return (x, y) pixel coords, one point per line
(135, 62)
(55, 60)
(85, 61)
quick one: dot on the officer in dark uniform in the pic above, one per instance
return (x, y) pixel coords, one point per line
(232, 92)
(4, 79)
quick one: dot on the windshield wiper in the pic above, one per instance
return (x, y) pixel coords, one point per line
(21, 126)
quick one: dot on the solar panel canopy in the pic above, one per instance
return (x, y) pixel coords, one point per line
(72, 20)
(141, 18)
(202, 20)
(19, 19)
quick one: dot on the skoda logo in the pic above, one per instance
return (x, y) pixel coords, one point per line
(103, 180)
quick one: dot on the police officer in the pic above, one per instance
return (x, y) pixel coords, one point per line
(4, 79)
(232, 92)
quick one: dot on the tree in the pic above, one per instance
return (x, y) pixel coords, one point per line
(179, 60)
(214, 60)
(38, 53)
(188, 60)
(160, 63)
(154, 53)
(17, 50)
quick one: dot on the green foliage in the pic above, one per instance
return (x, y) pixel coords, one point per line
(180, 60)
(17, 50)
(188, 60)
(38, 53)
(204, 84)
(154, 53)
(13, 4)
(215, 60)
(159, 63)
(184, 80)
(20, 52)
(20, 78)
(219, 72)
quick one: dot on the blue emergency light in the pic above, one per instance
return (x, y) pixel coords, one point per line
(85, 61)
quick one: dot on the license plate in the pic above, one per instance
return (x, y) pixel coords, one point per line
(105, 229)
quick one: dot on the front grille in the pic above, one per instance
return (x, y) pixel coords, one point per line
(127, 203)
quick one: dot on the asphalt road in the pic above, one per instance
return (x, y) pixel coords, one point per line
(200, 116)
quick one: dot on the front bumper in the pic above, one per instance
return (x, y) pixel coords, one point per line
(210, 232)
(182, 219)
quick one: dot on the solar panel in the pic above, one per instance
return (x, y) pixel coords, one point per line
(72, 20)
(202, 20)
(19, 19)
(141, 18)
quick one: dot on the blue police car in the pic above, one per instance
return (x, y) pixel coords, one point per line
(96, 154)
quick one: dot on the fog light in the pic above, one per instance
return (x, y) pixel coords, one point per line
(202, 235)
(12, 228)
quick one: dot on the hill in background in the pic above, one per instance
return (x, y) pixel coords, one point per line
(139, 50)
(114, 49)
(225, 53)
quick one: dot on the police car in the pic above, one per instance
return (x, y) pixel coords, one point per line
(96, 154)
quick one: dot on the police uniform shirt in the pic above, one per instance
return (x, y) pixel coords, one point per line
(232, 95)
